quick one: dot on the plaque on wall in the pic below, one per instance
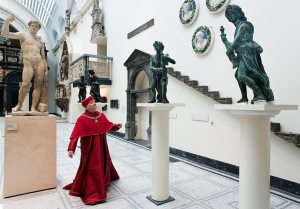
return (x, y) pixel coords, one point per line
(114, 104)
(216, 6)
(202, 40)
(188, 12)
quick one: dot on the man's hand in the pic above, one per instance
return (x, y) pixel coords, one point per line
(119, 125)
(71, 154)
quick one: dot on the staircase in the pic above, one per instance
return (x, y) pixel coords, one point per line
(215, 95)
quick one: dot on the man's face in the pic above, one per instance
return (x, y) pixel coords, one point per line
(34, 27)
(91, 107)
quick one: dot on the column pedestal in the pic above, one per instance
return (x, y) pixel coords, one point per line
(254, 185)
(160, 151)
(29, 154)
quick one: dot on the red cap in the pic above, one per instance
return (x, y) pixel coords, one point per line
(86, 101)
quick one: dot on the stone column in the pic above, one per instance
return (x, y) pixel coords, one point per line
(160, 151)
(254, 186)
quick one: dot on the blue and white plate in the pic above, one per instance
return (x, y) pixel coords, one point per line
(203, 40)
(188, 12)
(216, 6)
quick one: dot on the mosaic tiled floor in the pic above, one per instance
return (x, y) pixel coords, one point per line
(192, 187)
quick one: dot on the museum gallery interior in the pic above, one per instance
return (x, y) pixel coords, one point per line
(149, 104)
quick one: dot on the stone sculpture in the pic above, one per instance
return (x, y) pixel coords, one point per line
(82, 89)
(95, 86)
(244, 54)
(34, 61)
(159, 80)
(64, 66)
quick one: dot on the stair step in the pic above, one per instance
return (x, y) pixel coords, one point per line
(184, 78)
(192, 83)
(213, 94)
(176, 74)
(289, 137)
(275, 127)
(170, 70)
(225, 100)
(173, 73)
(202, 89)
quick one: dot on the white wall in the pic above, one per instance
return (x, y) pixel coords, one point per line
(81, 36)
(23, 14)
(276, 30)
(219, 137)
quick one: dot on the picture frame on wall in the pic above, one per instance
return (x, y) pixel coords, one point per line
(202, 40)
(188, 12)
(216, 6)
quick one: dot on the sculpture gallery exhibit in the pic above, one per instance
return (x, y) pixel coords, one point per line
(244, 54)
(34, 61)
(81, 84)
(158, 68)
(95, 86)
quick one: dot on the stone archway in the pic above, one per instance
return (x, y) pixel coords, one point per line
(137, 62)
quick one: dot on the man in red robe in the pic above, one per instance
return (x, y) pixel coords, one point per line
(96, 169)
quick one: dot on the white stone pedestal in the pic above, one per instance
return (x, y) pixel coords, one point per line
(78, 109)
(29, 154)
(254, 185)
(160, 150)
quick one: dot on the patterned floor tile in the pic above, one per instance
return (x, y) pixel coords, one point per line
(225, 201)
(291, 206)
(276, 201)
(191, 186)
(133, 184)
(143, 202)
(223, 181)
(122, 203)
(49, 200)
(136, 159)
(199, 189)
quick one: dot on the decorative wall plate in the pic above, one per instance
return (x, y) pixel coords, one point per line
(203, 40)
(188, 12)
(215, 6)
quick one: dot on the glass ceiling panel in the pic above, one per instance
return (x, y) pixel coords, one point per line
(42, 9)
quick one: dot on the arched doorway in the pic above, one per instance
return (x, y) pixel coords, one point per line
(139, 78)
(143, 117)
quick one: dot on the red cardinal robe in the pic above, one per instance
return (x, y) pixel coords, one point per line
(96, 169)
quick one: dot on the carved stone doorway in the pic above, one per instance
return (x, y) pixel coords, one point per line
(138, 73)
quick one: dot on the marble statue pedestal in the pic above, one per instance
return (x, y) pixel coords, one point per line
(29, 154)
(254, 185)
(160, 150)
(78, 109)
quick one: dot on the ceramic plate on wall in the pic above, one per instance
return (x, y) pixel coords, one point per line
(203, 40)
(188, 12)
(216, 6)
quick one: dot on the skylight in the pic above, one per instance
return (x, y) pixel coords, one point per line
(42, 9)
